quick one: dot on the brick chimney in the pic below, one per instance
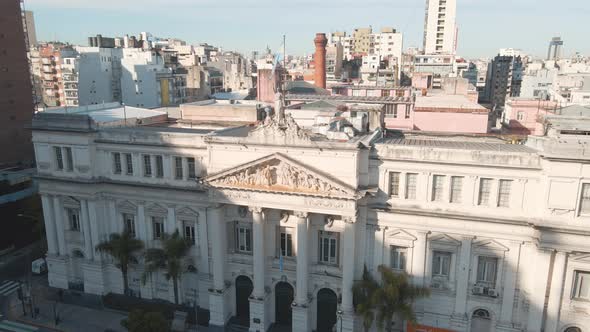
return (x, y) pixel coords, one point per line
(320, 59)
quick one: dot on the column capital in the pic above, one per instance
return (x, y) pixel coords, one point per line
(255, 209)
(300, 214)
(349, 220)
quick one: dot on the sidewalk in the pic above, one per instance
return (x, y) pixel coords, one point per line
(73, 317)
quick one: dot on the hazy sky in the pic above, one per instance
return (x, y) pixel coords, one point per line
(246, 25)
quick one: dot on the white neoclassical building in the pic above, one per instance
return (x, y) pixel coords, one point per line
(283, 222)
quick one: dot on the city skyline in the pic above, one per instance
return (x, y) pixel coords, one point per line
(262, 21)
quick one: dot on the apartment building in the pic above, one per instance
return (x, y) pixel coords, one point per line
(440, 28)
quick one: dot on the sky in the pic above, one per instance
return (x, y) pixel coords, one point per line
(485, 26)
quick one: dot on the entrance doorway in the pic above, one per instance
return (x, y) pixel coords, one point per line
(243, 290)
(283, 300)
(326, 312)
(481, 321)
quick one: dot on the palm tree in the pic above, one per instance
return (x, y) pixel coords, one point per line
(121, 247)
(362, 291)
(380, 301)
(169, 258)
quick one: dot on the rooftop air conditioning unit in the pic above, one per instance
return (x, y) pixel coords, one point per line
(492, 292)
(478, 290)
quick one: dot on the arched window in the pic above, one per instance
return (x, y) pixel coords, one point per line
(77, 253)
(573, 329)
(481, 313)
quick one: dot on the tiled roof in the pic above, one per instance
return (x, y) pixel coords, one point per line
(461, 145)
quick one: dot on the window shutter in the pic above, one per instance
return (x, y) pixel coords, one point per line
(231, 236)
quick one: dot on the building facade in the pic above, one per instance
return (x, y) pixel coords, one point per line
(283, 223)
(440, 28)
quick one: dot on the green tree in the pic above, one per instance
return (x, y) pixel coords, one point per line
(168, 258)
(140, 321)
(363, 291)
(380, 301)
(121, 247)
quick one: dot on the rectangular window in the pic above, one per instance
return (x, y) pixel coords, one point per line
(192, 170)
(585, 199)
(398, 258)
(69, 159)
(117, 168)
(456, 189)
(411, 181)
(394, 184)
(74, 219)
(159, 167)
(486, 270)
(438, 184)
(328, 247)
(147, 165)
(129, 223)
(407, 111)
(582, 287)
(189, 231)
(178, 168)
(244, 239)
(158, 227)
(504, 193)
(59, 160)
(520, 116)
(441, 264)
(485, 190)
(129, 163)
(286, 241)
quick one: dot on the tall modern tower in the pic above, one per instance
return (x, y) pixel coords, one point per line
(440, 27)
(16, 90)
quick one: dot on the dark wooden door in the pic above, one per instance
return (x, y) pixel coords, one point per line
(283, 300)
(327, 307)
(243, 290)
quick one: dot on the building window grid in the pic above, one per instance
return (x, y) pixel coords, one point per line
(158, 228)
(117, 168)
(129, 223)
(192, 170)
(411, 184)
(582, 285)
(456, 189)
(244, 239)
(398, 258)
(147, 165)
(504, 193)
(286, 242)
(74, 219)
(58, 158)
(69, 159)
(487, 269)
(394, 182)
(585, 199)
(441, 264)
(129, 163)
(189, 232)
(485, 191)
(178, 168)
(159, 166)
(328, 248)
(438, 185)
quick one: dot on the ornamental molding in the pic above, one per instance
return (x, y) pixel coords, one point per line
(280, 174)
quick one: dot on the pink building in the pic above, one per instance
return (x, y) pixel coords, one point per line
(522, 116)
(442, 112)
(370, 91)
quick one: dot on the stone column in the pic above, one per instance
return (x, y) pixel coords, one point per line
(538, 290)
(258, 252)
(59, 225)
(419, 258)
(348, 245)
(94, 230)
(300, 309)
(89, 252)
(116, 225)
(556, 292)
(50, 229)
(217, 301)
(258, 298)
(142, 225)
(462, 288)
(203, 243)
(170, 225)
(378, 247)
(510, 271)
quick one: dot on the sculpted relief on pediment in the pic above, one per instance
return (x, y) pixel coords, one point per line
(279, 175)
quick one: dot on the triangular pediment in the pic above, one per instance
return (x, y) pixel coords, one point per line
(156, 209)
(490, 245)
(400, 234)
(70, 202)
(445, 239)
(581, 258)
(126, 205)
(186, 211)
(279, 173)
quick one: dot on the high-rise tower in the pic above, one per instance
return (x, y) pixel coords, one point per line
(440, 27)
